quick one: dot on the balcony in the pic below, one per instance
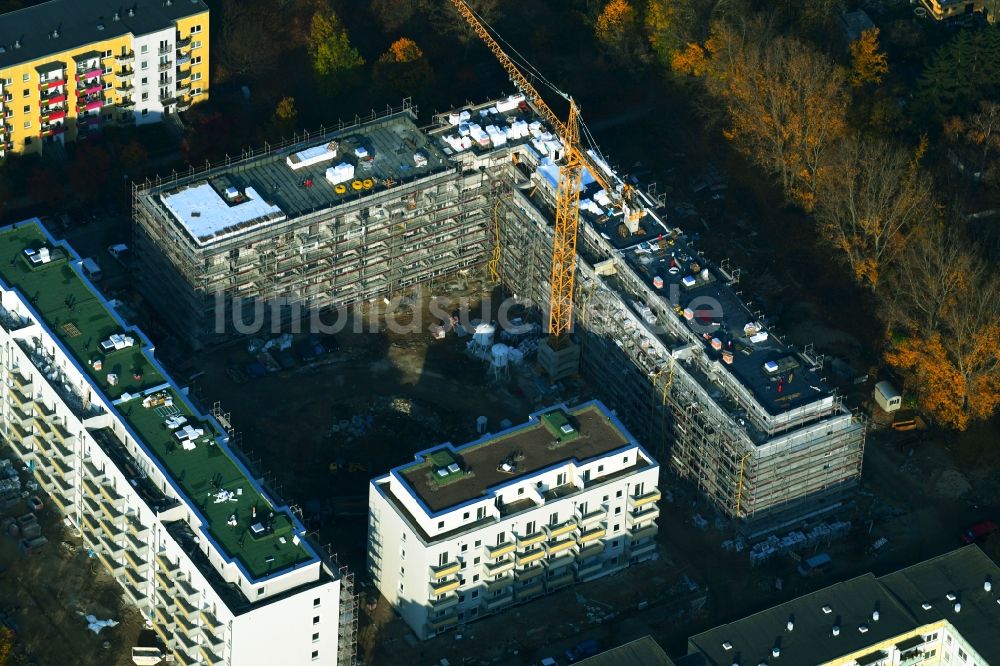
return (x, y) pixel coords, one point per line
(183, 88)
(125, 58)
(186, 590)
(137, 597)
(497, 568)
(645, 498)
(561, 529)
(493, 552)
(136, 528)
(529, 573)
(124, 88)
(111, 495)
(528, 591)
(135, 560)
(637, 533)
(210, 657)
(444, 602)
(134, 577)
(445, 570)
(530, 556)
(125, 73)
(92, 524)
(164, 580)
(49, 85)
(165, 50)
(593, 533)
(112, 565)
(210, 620)
(642, 549)
(531, 539)
(183, 43)
(559, 581)
(167, 99)
(188, 609)
(584, 570)
(184, 60)
(501, 584)
(444, 622)
(437, 589)
(560, 546)
(649, 512)
(18, 398)
(165, 66)
(499, 602)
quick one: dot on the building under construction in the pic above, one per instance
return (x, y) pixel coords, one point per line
(368, 210)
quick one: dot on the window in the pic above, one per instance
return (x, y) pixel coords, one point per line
(465, 547)
(442, 559)
(107, 85)
(465, 516)
(475, 579)
(476, 561)
(260, 592)
(402, 570)
(440, 524)
(618, 510)
(145, 80)
(195, 45)
(105, 70)
(26, 93)
(27, 108)
(561, 479)
(583, 508)
(196, 76)
(478, 543)
(618, 494)
(144, 65)
(605, 498)
(316, 617)
(145, 97)
(614, 544)
(195, 29)
(195, 92)
(480, 513)
(144, 49)
(196, 60)
(638, 490)
(962, 655)
(106, 54)
(554, 518)
(315, 655)
(316, 637)
(316, 602)
(26, 78)
(520, 491)
(27, 141)
(27, 124)
(616, 528)
(600, 468)
(625, 459)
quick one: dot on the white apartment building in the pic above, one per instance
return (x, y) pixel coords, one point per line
(467, 531)
(222, 571)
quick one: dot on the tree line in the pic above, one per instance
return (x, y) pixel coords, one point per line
(878, 183)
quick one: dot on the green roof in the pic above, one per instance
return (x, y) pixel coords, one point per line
(79, 318)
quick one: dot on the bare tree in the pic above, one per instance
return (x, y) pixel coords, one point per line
(867, 201)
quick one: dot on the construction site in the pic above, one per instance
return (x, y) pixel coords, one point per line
(659, 329)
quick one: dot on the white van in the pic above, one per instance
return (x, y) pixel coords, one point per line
(92, 270)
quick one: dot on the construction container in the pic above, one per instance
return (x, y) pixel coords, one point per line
(887, 397)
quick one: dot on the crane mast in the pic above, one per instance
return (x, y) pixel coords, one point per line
(568, 194)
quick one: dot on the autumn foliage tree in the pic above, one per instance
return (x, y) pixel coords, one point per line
(977, 138)
(785, 103)
(868, 63)
(402, 50)
(867, 202)
(617, 29)
(404, 68)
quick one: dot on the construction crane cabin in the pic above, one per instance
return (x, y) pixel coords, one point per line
(557, 354)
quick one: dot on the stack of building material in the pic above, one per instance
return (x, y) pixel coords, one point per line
(341, 173)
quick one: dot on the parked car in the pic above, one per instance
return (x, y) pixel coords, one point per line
(119, 251)
(815, 565)
(979, 532)
(582, 650)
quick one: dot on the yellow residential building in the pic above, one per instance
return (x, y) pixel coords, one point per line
(68, 67)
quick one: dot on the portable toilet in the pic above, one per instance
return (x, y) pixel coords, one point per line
(887, 397)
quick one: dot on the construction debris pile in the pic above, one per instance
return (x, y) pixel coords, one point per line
(793, 541)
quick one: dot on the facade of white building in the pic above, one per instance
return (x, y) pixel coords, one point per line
(467, 531)
(222, 571)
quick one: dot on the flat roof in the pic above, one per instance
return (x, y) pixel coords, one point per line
(77, 23)
(531, 445)
(641, 652)
(72, 310)
(387, 146)
(898, 598)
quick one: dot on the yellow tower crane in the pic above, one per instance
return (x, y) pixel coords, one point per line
(568, 194)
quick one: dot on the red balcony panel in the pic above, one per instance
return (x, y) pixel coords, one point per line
(94, 105)
(55, 99)
(90, 90)
(91, 74)
(55, 115)
(52, 84)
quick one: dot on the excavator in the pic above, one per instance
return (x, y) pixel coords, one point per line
(575, 160)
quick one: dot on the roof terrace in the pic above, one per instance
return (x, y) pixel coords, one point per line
(188, 447)
(446, 476)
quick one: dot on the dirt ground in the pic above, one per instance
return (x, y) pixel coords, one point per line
(45, 596)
